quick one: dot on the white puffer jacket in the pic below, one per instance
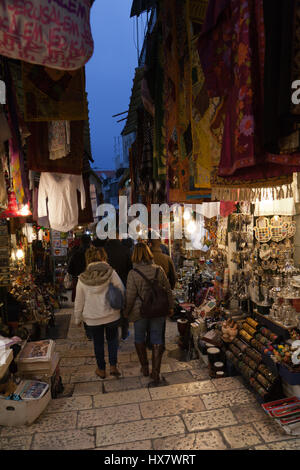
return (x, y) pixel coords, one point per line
(91, 305)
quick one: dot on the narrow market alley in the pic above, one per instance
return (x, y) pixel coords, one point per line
(149, 229)
(193, 412)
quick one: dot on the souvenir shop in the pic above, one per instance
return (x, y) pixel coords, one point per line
(238, 297)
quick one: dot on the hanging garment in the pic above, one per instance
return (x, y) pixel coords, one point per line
(210, 209)
(59, 139)
(56, 34)
(85, 216)
(16, 155)
(38, 158)
(3, 192)
(61, 192)
(282, 67)
(281, 207)
(227, 208)
(5, 133)
(52, 95)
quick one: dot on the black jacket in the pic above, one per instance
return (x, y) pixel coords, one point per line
(77, 263)
(119, 258)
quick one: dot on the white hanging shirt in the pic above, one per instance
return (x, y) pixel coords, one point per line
(210, 209)
(61, 191)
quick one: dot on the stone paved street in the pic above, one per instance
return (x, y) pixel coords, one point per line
(193, 412)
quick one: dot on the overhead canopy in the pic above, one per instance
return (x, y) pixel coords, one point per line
(135, 102)
(139, 6)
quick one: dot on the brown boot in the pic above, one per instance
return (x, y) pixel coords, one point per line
(114, 371)
(101, 373)
(142, 354)
(157, 352)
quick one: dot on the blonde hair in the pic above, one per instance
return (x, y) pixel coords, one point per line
(141, 253)
(94, 254)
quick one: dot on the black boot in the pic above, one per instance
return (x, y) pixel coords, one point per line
(157, 353)
(143, 358)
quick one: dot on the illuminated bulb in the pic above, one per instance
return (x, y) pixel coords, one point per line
(13, 255)
(20, 254)
(187, 215)
(25, 210)
(191, 228)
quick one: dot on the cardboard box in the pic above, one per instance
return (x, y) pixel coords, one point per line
(23, 412)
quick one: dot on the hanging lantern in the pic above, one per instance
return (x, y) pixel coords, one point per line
(12, 207)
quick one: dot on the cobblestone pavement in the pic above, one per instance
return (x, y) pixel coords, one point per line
(193, 412)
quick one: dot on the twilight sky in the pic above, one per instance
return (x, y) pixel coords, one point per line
(109, 74)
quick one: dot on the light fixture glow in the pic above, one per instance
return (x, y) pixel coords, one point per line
(191, 227)
(20, 254)
(187, 214)
(25, 210)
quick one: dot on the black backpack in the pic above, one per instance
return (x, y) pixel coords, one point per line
(156, 302)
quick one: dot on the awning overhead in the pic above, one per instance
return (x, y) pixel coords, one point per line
(139, 6)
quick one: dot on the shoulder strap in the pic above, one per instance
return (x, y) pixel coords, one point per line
(143, 275)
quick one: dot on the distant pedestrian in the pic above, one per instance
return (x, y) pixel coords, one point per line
(77, 265)
(164, 261)
(119, 257)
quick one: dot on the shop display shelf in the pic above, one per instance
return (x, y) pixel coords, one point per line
(279, 330)
(292, 377)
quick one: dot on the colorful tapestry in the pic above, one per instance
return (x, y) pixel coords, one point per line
(231, 49)
(53, 95)
(38, 158)
(204, 112)
(16, 157)
(154, 75)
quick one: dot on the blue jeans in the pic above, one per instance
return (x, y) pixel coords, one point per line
(97, 333)
(155, 326)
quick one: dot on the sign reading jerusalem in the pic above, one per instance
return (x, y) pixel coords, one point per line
(53, 33)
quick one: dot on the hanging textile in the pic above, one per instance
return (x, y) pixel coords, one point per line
(227, 208)
(231, 49)
(85, 216)
(38, 158)
(206, 111)
(3, 192)
(56, 34)
(58, 139)
(61, 192)
(16, 156)
(53, 95)
(154, 76)
(281, 207)
(282, 67)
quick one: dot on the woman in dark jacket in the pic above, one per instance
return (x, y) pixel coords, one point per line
(136, 290)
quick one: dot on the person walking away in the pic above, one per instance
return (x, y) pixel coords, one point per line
(92, 307)
(167, 264)
(77, 265)
(119, 258)
(137, 289)
(164, 261)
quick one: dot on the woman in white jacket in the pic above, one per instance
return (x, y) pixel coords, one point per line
(93, 308)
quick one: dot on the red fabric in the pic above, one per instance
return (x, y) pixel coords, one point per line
(227, 208)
